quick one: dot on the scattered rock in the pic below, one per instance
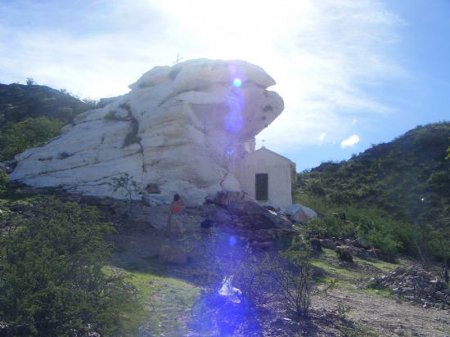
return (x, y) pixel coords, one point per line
(417, 285)
(361, 243)
(8, 166)
(327, 243)
(315, 244)
(344, 254)
(298, 213)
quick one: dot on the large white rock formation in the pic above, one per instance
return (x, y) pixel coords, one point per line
(181, 129)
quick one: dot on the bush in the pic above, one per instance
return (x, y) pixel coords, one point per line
(124, 183)
(294, 277)
(255, 278)
(344, 254)
(52, 280)
(3, 180)
(17, 137)
(285, 278)
(390, 236)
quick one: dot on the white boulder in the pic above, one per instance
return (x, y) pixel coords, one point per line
(182, 128)
(299, 213)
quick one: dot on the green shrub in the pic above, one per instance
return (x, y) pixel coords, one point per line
(381, 231)
(284, 278)
(333, 224)
(17, 137)
(3, 180)
(294, 277)
(52, 280)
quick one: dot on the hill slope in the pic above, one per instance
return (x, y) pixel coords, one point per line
(32, 114)
(408, 177)
(406, 180)
(18, 102)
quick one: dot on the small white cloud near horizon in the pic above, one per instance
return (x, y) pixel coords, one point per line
(350, 141)
(322, 137)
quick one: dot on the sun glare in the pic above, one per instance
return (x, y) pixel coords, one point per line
(235, 29)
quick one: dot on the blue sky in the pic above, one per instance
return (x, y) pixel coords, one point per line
(352, 73)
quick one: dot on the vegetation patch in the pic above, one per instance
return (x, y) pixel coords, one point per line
(132, 136)
(31, 132)
(394, 195)
(346, 275)
(112, 115)
(167, 303)
(52, 281)
(382, 266)
(30, 115)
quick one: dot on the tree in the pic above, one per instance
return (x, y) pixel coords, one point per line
(52, 280)
(30, 81)
(126, 183)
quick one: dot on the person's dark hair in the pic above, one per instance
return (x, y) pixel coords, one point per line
(176, 197)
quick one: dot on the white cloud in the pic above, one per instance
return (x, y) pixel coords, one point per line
(350, 141)
(319, 52)
(322, 137)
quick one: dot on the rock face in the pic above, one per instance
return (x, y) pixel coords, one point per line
(181, 129)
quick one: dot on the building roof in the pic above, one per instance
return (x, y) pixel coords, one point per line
(264, 150)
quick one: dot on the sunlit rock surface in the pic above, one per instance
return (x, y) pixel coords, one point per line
(181, 129)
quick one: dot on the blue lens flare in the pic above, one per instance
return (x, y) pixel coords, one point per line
(234, 120)
(237, 82)
(232, 240)
(225, 309)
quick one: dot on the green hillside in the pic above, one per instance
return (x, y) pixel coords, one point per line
(406, 180)
(32, 114)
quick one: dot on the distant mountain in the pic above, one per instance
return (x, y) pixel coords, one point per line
(32, 114)
(408, 178)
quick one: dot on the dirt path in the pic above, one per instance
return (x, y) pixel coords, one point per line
(387, 316)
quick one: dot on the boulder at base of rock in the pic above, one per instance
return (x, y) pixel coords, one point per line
(252, 215)
(299, 213)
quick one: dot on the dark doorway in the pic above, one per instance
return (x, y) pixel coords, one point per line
(262, 186)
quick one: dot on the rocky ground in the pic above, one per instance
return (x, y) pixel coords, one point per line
(386, 316)
(347, 309)
(416, 285)
(370, 297)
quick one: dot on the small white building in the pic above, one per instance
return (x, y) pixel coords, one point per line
(267, 177)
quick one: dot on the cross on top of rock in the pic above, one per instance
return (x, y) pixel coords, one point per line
(178, 59)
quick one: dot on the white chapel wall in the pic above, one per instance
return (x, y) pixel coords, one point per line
(279, 172)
